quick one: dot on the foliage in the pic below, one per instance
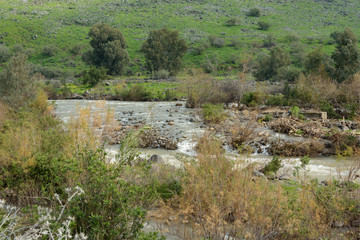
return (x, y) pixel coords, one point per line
(252, 99)
(94, 75)
(268, 66)
(5, 53)
(233, 21)
(163, 51)
(254, 12)
(295, 111)
(346, 55)
(49, 50)
(136, 92)
(317, 61)
(108, 49)
(264, 25)
(161, 74)
(216, 41)
(213, 113)
(17, 87)
(273, 166)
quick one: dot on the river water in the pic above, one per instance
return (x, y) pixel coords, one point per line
(185, 129)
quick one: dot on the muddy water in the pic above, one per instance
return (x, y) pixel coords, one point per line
(185, 129)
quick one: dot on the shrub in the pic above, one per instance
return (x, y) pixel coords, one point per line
(161, 74)
(268, 66)
(273, 166)
(242, 132)
(254, 12)
(164, 50)
(236, 43)
(108, 49)
(5, 53)
(263, 25)
(17, 87)
(346, 55)
(49, 50)
(276, 100)
(213, 113)
(76, 49)
(216, 41)
(317, 62)
(289, 74)
(269, 41)
(252, 99)
(233, 21)
(135, 92)
(94, 76)
(199, 49)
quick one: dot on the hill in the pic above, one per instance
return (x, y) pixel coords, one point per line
(54, 32)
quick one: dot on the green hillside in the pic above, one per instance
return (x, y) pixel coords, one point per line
(64, 24)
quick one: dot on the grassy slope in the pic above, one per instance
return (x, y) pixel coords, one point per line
(66, 24)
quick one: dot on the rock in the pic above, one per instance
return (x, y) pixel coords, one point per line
(338, 224)
(257, 173)
(171, 123)
(107, 84)
(178, 104)
(156, 159)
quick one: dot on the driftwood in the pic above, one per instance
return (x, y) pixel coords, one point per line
(296, 126)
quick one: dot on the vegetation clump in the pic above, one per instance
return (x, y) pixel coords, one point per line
(108, 49)
(164, 51)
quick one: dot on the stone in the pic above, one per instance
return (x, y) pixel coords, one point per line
(156, 159)
(171, 123)
(257, 173)
(338, 224)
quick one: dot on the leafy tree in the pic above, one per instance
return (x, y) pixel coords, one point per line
(163, 51)
(269, 66)
(346, 55)
(317, 61)
(17, 86)
(108, 51)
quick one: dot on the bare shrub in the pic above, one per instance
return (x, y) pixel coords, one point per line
(242, 132)
(296, 149)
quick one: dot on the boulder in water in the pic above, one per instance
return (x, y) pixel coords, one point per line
(156, 159)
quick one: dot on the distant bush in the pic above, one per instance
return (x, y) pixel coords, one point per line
(76, 49)
(292, 38)
(236, 43)
(252, 99)
(18, 48)
(47, 72)
(108, 49)
(263, 25)
(94, 75)
(199, 49)
(5, 53)
(269, 41)
(233, 21)
(216, 41)
(269, 66)
(135, 92)
(276, 100)
(49, 50)
(161, 74)
(213, 113)
(317, 61)
(289, 74)
(164, 49)
(254, 12)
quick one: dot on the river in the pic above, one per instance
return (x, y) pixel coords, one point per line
(185, 129)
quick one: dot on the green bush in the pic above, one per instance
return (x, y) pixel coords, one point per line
(108, 49)
(276, 100)
(114, 204)
(213, 113)
(135, 92)
(331, 113)
(5, 53)
(264, 25)
(216, 41)
(49, 50)
(233, 21)
(161, 74)
(164, 49)
(254, 12)
(236, 43)
(252, 99)
(273, 166)
(94, 76)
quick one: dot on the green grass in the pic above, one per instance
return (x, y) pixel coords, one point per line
(66, 24)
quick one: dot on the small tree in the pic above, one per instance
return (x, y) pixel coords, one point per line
(17, 87)
(264, 25)
(94, 75)
(163, 51)
(269, 66)
(317, 61)
(108, 50)
(346, 55)
(254, 12)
